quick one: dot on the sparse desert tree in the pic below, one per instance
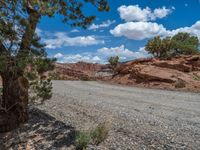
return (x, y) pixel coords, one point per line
(113, 61)
(179, 44)
(20, 45)
(184, 43)
(159, 47)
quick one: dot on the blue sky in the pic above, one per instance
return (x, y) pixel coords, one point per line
(123, 31)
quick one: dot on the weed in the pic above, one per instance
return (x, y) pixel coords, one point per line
(83, 138)
(197, 78)
(100, 133)
(95, 136)
(180, 83)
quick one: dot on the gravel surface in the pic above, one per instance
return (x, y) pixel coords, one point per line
(141, 118)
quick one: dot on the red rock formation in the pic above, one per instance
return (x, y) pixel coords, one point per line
(77, 71)
(181, 72)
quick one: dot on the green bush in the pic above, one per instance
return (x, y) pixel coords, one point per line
(82, 140)
(100, 133)
(179, 44)
(113, 61)
(95, 136)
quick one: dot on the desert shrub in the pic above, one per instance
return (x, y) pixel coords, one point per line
(179, 44)
(197, 78)
(54, 76)
(180, 83)
(95, 136)
(100, 133)
(82, 139)
(84, 78)
(113, 62)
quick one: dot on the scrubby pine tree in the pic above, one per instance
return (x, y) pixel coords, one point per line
(22, 52)
(179, 44)
(113, 62)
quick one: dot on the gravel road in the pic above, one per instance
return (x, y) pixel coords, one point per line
(141, 118)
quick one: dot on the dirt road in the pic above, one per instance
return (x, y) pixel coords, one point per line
(141, 118)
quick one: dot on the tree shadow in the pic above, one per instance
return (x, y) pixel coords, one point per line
(41, 132)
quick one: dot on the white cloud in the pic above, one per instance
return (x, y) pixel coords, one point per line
(61, 39)
(145, 30)
(75, 31)
(136, 13)
(122, 52)
(38, 31)
(58, 55)
(193, 30)
(115, 51)
(77, 58)
(102, 55)
(161, 12)
(138, 30)
(102, 25)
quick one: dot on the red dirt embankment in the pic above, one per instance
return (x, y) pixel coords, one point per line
(178, 73)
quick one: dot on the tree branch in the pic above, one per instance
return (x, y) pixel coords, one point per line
(27, 37)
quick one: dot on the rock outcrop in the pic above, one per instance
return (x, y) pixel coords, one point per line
(181, 72)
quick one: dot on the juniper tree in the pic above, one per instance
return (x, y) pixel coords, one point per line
(179, 44)
(20, 45)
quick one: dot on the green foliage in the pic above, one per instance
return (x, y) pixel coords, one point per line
(54, 76)
(100, 133)
(82, 140)
(179, 44)
(41, 90)
(197, 78)
(95, 136)
(113, 61)
(20, 45)
(184, 43)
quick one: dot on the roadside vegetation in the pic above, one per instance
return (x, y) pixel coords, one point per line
(179, 44)
(94, 136)
(113, 61)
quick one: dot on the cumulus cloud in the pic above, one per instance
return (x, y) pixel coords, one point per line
(193, 30)
(102, 55)
(58, 55)
(136, 13)
(145, 30)
(123, 53)
(138, 30)
(115, 51)
(61, 39)
(102, 25)
(77, 58)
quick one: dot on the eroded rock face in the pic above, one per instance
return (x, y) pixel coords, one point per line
(77, 71)
(183, 70)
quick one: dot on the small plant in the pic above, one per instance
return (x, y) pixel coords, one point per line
(83, 138)
(85, 78)
(100, 133)
(179, 83)
(113, 62)
(95, 136)
(54, 76)
(197, 78)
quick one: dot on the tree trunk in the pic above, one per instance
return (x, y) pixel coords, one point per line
(14, 102)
